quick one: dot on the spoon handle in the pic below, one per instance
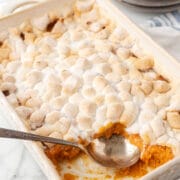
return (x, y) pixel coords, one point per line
(7, 133)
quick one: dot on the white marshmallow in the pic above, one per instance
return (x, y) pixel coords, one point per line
(129, 114)
(157, 126)
(70, 110)
(84, 122)
(41, 22)
(52, 117)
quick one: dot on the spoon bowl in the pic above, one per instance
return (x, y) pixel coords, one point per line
(115, 152)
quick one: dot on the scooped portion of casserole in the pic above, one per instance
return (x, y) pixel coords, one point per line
(79, 76)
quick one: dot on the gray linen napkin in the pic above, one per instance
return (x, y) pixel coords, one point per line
(165, 30)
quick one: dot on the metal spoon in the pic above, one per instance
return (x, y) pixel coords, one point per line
(115, 152)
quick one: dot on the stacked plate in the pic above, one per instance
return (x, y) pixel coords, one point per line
(162, 5)
(153, 3)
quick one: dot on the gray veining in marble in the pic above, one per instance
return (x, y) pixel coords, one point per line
(16, 162)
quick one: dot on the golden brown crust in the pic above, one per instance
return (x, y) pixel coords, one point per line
(69, 176)
(58, 153)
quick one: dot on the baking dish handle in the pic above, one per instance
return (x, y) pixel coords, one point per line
(15, 6)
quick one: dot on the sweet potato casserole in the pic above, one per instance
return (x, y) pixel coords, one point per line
(79, 76)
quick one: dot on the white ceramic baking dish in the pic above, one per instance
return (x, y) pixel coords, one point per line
(164, 64)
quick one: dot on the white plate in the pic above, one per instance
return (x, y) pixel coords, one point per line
(149, 8)
(153, 3)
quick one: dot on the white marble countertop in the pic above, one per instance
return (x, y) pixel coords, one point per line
(16, 162)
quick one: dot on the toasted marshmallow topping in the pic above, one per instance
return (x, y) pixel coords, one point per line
(69, 77)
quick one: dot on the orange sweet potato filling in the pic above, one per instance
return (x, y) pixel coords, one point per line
(69, 177)
(58, 153)
(152, 157)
